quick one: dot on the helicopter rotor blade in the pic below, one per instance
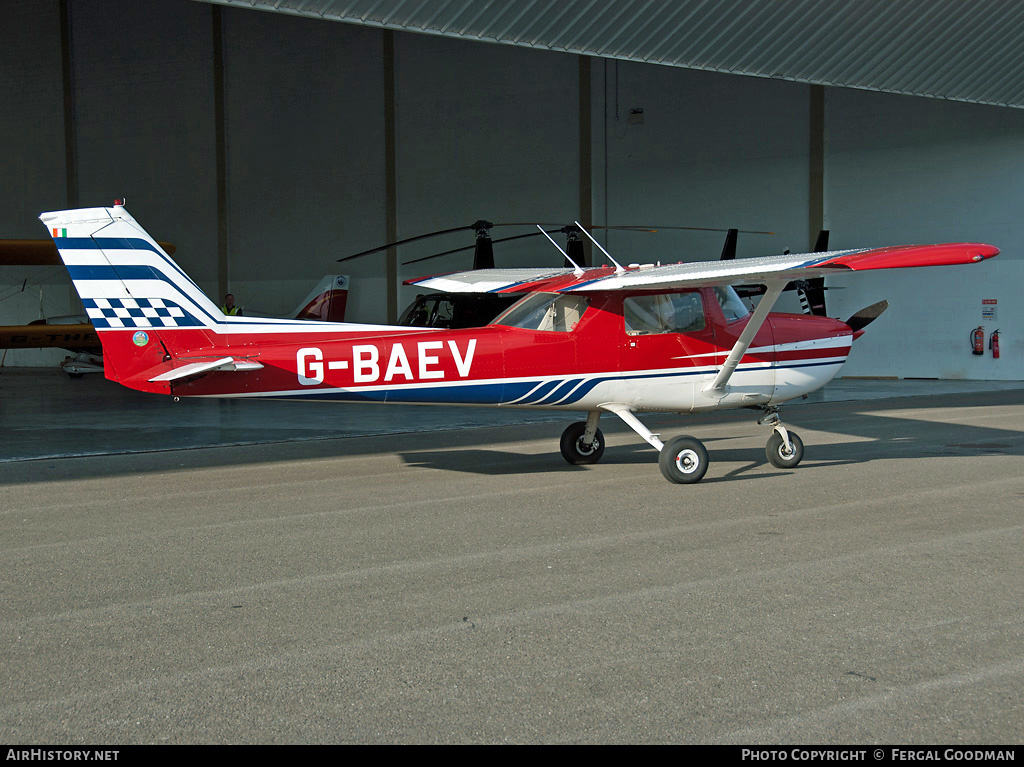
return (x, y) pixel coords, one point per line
(484, 226)
(655, 228)
(471, 247)
(478, 226)
(407, 240)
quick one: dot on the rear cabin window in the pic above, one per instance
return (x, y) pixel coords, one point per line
(665, 313)
(556, 312)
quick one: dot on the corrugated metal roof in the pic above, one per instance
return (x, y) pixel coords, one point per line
(951, 49)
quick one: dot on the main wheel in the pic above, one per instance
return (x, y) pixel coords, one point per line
(684, 460)
(779, 456)
(575, 451)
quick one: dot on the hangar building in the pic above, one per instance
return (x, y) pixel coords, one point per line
(268, 139)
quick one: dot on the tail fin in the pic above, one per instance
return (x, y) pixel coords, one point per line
(124, 278)
(326, 302)
(155, 324)
(131, 289)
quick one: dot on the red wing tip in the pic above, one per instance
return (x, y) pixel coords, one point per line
(947, 254)
(983, 251)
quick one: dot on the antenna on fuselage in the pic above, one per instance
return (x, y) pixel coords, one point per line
(618, 266)
(576, 270)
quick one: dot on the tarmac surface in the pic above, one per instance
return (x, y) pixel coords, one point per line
(464, 585)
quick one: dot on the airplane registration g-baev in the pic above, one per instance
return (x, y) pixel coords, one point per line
(597, 340)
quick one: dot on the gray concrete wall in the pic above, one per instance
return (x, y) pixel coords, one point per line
(305, 158)
(712, 151)
(483, 132)
(903, 170)
(32, 163)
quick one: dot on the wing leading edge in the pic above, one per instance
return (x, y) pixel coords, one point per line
(707, 273)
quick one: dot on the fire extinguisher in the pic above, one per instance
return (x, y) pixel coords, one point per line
(978, 340)
(993, 343)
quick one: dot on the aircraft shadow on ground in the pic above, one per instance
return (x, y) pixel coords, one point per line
(880, 438)
(878, 433)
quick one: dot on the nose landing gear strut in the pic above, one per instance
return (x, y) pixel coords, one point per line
(784, 449)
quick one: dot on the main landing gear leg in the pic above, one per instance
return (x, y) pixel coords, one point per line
(583, 443)
(784, 449)
(684, 460)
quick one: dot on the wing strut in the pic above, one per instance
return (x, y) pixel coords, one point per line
(717, 386)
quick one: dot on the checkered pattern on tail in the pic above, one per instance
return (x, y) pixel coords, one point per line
(137, 313)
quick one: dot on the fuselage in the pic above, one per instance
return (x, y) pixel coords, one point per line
(605, 348)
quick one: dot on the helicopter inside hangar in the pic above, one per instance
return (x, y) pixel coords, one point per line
(465, 310)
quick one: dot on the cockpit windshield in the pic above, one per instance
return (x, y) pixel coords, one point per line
(557, 312)
(732, 305)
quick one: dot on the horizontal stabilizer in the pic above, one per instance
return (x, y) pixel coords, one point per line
(183, 369)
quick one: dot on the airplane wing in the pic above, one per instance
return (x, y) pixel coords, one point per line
(74, 337)
(695, 274)
(790, 267)
(497, 280)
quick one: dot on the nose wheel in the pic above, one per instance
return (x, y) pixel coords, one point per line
(784, 449)
(781, 455)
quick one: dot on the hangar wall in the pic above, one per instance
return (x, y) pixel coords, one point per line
(485, 131)
(910, 170)
(142, 99)
(32, 163)
(482, 132)
(712, 151)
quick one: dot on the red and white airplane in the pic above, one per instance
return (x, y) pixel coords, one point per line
(597, 340)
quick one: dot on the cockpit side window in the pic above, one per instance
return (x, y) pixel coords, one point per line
(664, 313)
(558, 312)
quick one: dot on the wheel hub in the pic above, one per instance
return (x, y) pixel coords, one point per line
(687, 461)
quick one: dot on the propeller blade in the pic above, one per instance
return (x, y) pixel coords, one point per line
(867, 315)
